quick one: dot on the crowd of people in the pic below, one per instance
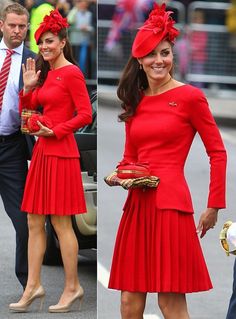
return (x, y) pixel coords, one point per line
(204, 46)
(82, 17)
(200, 45)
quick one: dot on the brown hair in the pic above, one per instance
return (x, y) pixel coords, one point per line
(131, 86)
(44, 65)
(14, 8)
(133, 81)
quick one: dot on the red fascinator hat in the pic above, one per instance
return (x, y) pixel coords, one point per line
(156, 28)
(53, 23)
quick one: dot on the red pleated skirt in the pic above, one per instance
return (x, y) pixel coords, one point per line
(157, 250)
(53, 186)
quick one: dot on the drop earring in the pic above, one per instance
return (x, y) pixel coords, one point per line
(140, 67)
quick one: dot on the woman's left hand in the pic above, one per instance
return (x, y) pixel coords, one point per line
(44, 131)
(207, 221)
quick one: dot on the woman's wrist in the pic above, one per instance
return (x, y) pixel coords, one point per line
(51, 133)
(213, 210)
(27, 89)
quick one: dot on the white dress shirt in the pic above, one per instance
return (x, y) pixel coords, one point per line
(9, 116)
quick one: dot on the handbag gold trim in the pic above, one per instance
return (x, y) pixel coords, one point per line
(132, 170)
(30, 119)
(26, 115)
(142, 182)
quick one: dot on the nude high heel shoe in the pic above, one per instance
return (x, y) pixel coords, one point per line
(22, 306)
(67, 307)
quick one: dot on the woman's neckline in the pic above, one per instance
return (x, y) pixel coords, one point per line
(61, 67)
(159, 94)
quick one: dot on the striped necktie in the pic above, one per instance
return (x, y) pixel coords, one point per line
(4, 74)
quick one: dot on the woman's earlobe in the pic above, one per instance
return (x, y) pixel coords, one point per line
(140, 64)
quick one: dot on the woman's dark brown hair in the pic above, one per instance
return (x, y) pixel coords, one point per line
(131, 85)
(44, 65)
(133, 81)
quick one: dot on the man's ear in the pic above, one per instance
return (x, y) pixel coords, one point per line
(1, 24)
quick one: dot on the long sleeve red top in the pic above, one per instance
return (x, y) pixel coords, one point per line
(66, 103)
(161, 133)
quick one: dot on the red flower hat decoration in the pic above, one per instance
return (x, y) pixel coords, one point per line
(157, 27)
(53, 22)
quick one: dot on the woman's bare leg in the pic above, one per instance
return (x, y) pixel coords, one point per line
(69, 251)
(173, 305)
(132, 305)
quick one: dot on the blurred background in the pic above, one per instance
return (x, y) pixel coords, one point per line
(205, 52)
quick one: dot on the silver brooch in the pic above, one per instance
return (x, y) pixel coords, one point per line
(58, 78)
(173, 104)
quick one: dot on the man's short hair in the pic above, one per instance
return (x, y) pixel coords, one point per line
(14, 8)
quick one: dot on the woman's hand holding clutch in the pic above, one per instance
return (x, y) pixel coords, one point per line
(144, 181)
(43, 131)
(34, 123)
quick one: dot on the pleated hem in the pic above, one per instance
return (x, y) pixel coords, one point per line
(157, 250)
(159, 291)
(53, 186)
(52, 213)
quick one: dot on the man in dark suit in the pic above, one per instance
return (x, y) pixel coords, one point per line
(13, 145)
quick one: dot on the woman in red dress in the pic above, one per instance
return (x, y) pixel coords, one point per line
(157, 246)
(54, 184)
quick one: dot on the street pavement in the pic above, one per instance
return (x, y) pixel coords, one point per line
(206, 305)
(52, 280)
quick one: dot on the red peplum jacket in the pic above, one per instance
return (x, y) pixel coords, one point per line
(66, 103)
(161, 133)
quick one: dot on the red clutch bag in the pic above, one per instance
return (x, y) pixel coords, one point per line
(29, 119)
(132, 170)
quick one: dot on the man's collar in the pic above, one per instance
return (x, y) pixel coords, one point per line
(18, 49)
